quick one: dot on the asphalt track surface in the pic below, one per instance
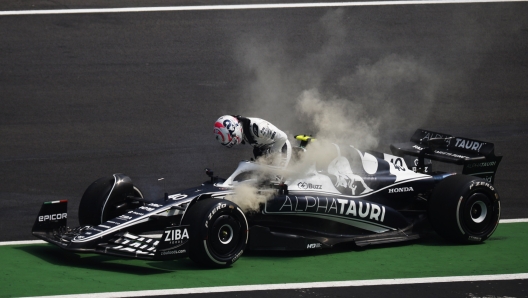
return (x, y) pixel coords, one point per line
(84, 96)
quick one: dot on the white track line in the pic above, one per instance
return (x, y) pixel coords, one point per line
(242, 6)
(311, 285)
(513, 220)
(351, 283)
(24, 242)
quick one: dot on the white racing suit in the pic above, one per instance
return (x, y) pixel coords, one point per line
(268, 141)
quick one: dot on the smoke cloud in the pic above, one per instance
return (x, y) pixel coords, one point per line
(336, 119)
(303, 94)
(307, 91)
(248, 197)
(397, 91)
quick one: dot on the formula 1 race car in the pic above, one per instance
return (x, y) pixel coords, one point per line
(350, 196)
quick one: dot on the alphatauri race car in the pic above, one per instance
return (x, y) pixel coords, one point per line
(364, 198)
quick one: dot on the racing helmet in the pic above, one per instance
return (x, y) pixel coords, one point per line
(228, 131)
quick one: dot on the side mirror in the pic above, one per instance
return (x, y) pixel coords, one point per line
(209, 173)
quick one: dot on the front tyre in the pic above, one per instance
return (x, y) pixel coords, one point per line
(218, 232)
(464, 209)
(107, 198)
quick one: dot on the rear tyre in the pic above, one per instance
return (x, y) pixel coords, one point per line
(107, 198)
(464, 209)
(218, 232)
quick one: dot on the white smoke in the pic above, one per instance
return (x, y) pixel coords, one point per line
(337, 119)
(398, 91)
(248, 197)
(253, 190)
(304, 95)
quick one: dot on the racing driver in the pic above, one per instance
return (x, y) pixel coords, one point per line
(267, 140)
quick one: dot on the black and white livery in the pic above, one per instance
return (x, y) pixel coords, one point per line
(352, 196)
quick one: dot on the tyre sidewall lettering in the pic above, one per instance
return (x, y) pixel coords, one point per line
(204, 230)
(212, 217)
(454, 211)
(489, 191)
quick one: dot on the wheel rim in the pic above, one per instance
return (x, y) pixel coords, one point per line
(478, 214)
(224, 236)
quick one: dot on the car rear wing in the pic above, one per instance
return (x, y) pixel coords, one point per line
(477, 157)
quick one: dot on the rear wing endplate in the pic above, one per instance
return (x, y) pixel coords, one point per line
(477, 157)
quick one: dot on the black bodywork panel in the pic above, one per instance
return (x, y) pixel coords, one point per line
(364, 198)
